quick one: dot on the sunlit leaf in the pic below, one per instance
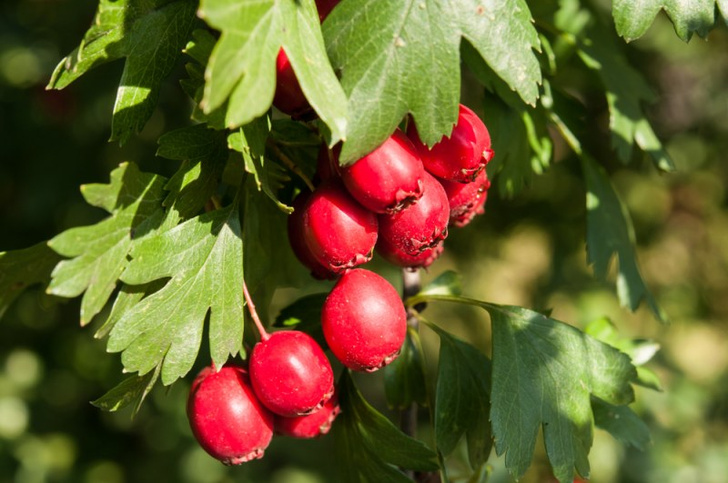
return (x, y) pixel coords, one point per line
(203, 259)
(150, 35)
(403, 57)
(99, 252)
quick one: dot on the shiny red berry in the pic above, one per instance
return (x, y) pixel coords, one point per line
(462, 155)
(389, 178)
(311, 425)
(297, 242)
(325, 7)
(226, 417)
(289, 97)
(419, 226)
(364, 321)
(290, 373)
(340, 233)
(466, 199)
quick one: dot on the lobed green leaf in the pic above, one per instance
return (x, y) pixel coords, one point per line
(633, 17)
(150, 35)
(20, 269)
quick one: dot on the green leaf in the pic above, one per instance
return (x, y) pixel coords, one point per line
(150, 34)
(633, 17)
(404, 378)
(132, 390)
(447, 283)
(462, 398)
(403, 57)
(250, 141)
(19, 269)
(610, 232)
(200, 49)
(509, 122)
(241, 69)
(127, 297)
(304, 314)
(626, 91)
(269, 260)
(369, 446)
(543, 374)
(203, 259)
(622, 423)
(99, 251)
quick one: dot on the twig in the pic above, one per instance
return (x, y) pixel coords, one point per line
(264, 335)
(289, 163)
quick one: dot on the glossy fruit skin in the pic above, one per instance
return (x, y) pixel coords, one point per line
(297, 242)
(466, 199)
(339, 232)
(462, 155)
(397, 257)
(289, 97)
(389, 178)
(290, 373)
(311, 425)
(226, 417)
(364, 321)
(419, 226)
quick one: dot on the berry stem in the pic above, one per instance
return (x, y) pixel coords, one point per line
(289, 163)
(264, 335)
(411, 284)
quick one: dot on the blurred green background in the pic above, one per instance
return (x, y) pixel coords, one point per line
(527, 251)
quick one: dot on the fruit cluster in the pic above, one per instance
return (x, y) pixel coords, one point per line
(399, 200)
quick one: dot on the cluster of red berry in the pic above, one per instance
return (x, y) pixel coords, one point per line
(399, 200)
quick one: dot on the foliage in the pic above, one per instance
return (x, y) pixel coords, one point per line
(162, 274)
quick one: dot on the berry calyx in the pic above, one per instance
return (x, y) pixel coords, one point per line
(364, 321)
(419, 226)
(466, 199)
(398, 257)
(389, 178)
(311, 425)
(225, 416)
(290, 373)
(462, 155)
(297, 242)
(340, 233)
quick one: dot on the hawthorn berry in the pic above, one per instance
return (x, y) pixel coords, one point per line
(389, 178)
(421, 225)
(310, 425)
(226, 417)
(466, 199)
(297, 242)
(290, 373)
(400, 258)
(462, 155)
(339, 232)
(289, 97)
(364, 320)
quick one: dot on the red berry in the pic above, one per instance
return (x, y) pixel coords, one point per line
(225, 416)
(289, 97)
(397, 257)
(297, 242)
(340, 233)
(389, 178)
(364, 321)
(325, 7)
(290, 373)
(466, 199)
(419, 226)
(462, 155)
(311, 425)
